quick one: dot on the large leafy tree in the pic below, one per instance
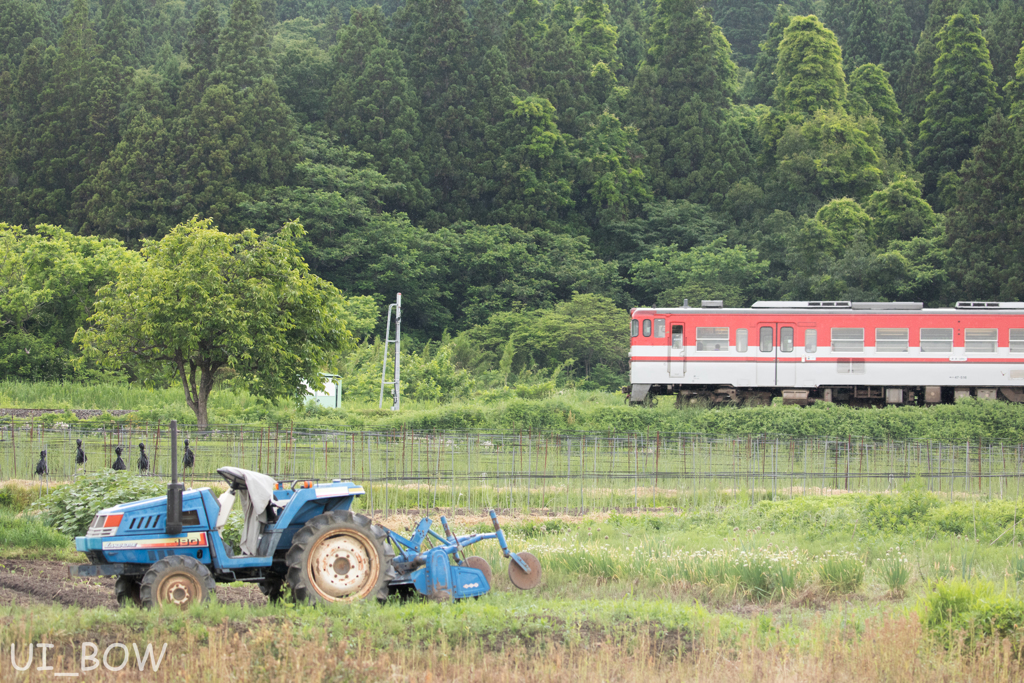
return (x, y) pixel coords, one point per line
(200, 301)
(962, 99)
(48, 284)
(710, 271)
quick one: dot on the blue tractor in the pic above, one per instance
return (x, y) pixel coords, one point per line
(302, 534)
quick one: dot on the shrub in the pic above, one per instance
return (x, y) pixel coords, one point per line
(842, 572)
(71, 508)
(971, 610)
(899, 512)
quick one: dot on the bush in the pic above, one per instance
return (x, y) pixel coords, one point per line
(71, 508)
(971, 610)
(899, 512)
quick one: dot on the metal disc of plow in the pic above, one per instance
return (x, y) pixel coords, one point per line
(477, 562)
(521, 579)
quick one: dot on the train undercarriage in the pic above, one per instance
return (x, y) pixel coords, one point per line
(713, 395)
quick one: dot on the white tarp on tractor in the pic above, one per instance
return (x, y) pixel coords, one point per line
(257, 493)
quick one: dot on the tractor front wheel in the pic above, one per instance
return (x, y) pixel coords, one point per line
(339, 557)
(176, 580)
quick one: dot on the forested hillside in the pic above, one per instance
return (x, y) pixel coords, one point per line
(522, 171)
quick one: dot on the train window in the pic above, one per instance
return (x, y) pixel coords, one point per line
(712, 338)
(892, 339)
(634, 328)
(677, 336)
(741, 340)
(936, 340)
(810, 341)
(786, 339)
(767, 339)
(1016, 341)
(848, 339)
(980, 341)
(647, 328)
(659, 327)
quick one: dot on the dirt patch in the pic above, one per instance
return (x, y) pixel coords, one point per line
(39, 412)
(38, 582)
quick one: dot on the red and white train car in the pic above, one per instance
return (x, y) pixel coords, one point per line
(842, 351)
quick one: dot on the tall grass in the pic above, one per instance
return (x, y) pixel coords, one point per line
(980, 422)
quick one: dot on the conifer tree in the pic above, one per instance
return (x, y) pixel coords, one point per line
(764, 77)
(373, 106)
(864, 39)
(596, 34)
(810, 69)
(201, 43)
(535, 192)
(439, 54)
(871, 95)
(915, 79)
(962, 99)
(1004, 34)
(680, 104)
(985, 225)
(243, 47)
(897, 41)
(526, 29)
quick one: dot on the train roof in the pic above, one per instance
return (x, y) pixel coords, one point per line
(715, 306)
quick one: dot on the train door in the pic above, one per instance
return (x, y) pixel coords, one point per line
(776, 354)
(677, 350)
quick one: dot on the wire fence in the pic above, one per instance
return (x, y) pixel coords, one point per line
(520, 471)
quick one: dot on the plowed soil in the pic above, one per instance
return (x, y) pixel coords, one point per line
(39, 582)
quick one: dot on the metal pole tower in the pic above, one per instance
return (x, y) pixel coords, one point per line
(396, 394)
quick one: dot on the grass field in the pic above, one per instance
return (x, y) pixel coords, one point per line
(564, 410)
(904, 587)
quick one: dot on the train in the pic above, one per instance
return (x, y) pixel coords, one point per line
(852, 352)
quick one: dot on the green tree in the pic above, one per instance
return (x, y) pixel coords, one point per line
(985, 225)
(871, 95)
(373, 106)
(810, 69)
(199, 302)
(962, 99)
(48, 284)
(710, 271)
(828, 156)
(243, 47)
(899, 213)
(534, 190)
(680, 105)
(1004, 33)
(597, 36)
(764, 79)
(863, 42)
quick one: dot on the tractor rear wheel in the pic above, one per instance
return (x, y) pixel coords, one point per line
(127, 591)
(176, 580)
(339, 557)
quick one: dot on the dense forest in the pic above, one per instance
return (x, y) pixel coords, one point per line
(522, 171)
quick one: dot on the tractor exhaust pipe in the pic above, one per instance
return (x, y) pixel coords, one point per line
(174, 489)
